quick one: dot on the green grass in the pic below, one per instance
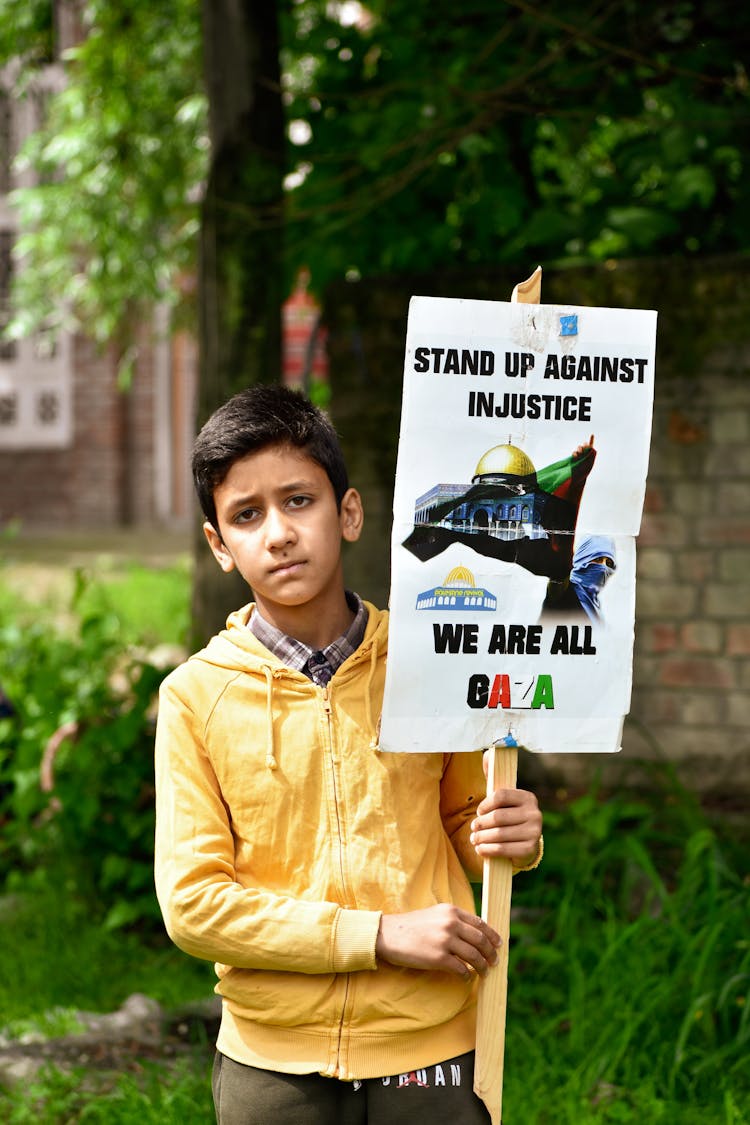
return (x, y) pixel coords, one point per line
(57, 958)
(147, 605)
(629, 996)
(629, 980)
(180, 1095)
(151, 605)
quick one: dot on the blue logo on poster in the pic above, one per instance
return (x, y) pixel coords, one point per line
(459, 591)
(569, 325)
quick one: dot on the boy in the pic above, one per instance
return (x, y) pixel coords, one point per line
(323, 876)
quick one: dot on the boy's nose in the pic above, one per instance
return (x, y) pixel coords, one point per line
(278, 528)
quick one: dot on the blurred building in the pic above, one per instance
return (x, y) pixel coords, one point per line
(75, 450)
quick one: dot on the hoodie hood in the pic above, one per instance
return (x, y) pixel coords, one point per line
(237, 649)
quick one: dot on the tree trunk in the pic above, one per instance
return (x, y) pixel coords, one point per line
(240, 269)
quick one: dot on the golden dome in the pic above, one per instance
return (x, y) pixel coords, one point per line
(460, 576)
(504, 460)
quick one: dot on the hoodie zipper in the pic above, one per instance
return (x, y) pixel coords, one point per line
(334, 761)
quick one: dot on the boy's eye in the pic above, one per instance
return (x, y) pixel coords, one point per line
(299, 501)
(246, 515)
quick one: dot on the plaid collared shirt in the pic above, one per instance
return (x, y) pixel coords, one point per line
(317, 664)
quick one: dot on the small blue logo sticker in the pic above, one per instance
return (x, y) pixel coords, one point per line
(569, 325)
(459, 591)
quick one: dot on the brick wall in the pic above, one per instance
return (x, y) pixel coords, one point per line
(106, 477)
(691, 698)
(692, 653)
(139, 455)
(80, 485)
(95, 481)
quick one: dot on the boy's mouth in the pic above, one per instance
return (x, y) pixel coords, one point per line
(287, 567)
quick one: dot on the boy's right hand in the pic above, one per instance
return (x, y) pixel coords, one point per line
(441, 937)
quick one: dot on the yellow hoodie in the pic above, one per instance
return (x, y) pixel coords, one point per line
(283, 832)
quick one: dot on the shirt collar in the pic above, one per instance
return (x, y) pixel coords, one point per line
(295, 654)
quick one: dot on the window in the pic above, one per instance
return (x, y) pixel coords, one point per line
(36, 384)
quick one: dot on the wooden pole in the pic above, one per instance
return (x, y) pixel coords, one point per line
(493, 988)
(528, 292)
(496, 891)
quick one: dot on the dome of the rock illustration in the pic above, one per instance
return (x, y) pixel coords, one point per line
(460, 577)
(504, 461)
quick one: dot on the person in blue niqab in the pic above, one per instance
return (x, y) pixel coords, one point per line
(594, 564)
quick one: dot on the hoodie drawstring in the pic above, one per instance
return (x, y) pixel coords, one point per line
(271, 762)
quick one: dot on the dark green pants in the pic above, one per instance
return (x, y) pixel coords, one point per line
(441, 1095)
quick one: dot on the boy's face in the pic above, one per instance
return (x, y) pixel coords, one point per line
(280, 528)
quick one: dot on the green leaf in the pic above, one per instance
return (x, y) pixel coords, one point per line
(691, 186)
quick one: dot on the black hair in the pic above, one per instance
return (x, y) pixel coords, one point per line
(254, 419)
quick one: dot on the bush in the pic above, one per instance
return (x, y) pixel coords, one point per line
(629, 990)
(76, 761)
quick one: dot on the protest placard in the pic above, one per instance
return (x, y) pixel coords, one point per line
(502, 631)
(521, 473)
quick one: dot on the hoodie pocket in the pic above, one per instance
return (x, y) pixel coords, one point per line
(283, 999)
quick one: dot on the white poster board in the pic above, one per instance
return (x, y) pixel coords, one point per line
(513, 553)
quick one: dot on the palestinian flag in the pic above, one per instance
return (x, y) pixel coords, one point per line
(565, 479)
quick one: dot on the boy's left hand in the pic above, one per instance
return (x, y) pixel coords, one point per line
(508, 824)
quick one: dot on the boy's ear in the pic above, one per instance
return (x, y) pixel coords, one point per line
(216, 543)
(352, 515)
